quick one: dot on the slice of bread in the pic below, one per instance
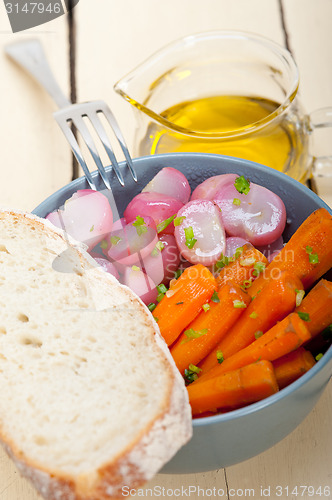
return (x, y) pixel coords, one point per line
(90, 399)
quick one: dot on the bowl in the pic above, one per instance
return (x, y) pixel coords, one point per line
(229, 438)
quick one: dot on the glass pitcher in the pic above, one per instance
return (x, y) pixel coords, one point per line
(225, 92)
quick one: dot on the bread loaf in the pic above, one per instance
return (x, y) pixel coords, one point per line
(90, 398)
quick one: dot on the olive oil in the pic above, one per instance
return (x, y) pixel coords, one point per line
(240, 126)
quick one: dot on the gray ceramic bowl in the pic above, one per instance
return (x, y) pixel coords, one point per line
(227, 439)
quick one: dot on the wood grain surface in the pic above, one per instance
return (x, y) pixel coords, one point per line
(108, 39)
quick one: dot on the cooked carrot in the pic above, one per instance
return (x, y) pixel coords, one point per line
(208, 328)
(317, 307)
(184, 301)
(308, 253)
(290, 367)
(233, 389)
(274, 303)
(243, 269)
(284, 337)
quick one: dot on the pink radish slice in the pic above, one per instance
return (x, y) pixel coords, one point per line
(119, 224)
(156, 205)
(129, 246)
(202, 218)
(207, 189)
(82, 192)
(107, 266)
(170, 255)
(56, 219)
(259, 216)
(140, 284)
(233, 243)
(87, 218)
(170, 182)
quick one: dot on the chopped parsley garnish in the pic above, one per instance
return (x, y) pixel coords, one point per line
(206, 307)
(191, 373)
(160, 296)
(178, 220)
(238, 252)
(103, 244)
(141, 227)
(247, 262)
(156, 319)
(308, 249)
(221, 262)
(152, 306)
(258, 268)
(193, 334)
(239, 304)
(220, 357)
(92, 228)
(299, 296)
(258, 334)
(303, 315)
(190, 240)
(135, 268)
(115, 240)
(157, 249)
(247, 284)
(242, 185)
(162, 225)
(162, 288)
(179, 303)
(313, 257)
(319, 356)
(215, 297)
(178, 273)
(253, 315)
(237, 202)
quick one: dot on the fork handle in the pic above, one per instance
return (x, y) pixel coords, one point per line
(30, 55)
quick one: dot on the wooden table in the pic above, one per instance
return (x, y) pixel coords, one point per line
(102, 42)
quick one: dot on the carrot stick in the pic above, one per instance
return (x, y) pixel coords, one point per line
(290, 367)
(317, 307)
(284, 337)
(243, 269)
(308, 253)
(184, 301)
(233, 389)
(208, 328)
(276, 301)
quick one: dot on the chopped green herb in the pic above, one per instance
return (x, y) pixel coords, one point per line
(193, 334)
(239, 304)
(258, 334)
(103, 244)
(158, 248)
(179, 303)
(253, 315)
(152, 306)
(162, 225)
(247, 284)
(247, 262)
(160, 296)
(319, 356)
(92, 228)
(178, 220)
(221, 262)
(303, 315)
(215, 297)
(299, 296)
(162, 288)
(190, 240)
(135, 268)
(178, 273)
(141, 227)
(242, 185)
(237, 202)
(238, 252)
(313, 258)
(220, 357)
(206, 307)
(258, 268)
(191, 373)
(156, 319)
(115, 240)
(308, 249)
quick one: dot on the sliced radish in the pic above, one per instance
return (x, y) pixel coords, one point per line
(156, 205)
(200, 236)
(209, 188)
(170, 255)
(56, 219)
(86, 216)
(170, 182)
(141, 284)
(130, 245)
(106, 265)
(259, 216)
(233, 243)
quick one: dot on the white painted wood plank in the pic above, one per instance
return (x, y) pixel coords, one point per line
(35, 159)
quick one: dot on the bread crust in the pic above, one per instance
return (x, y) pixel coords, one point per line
(149, 451)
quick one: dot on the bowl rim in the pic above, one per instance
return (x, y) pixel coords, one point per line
(236, 162)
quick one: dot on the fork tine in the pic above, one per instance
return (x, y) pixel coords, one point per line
(102, 107)
(64, 125)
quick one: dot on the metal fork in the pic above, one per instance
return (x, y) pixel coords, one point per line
(30, 55)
